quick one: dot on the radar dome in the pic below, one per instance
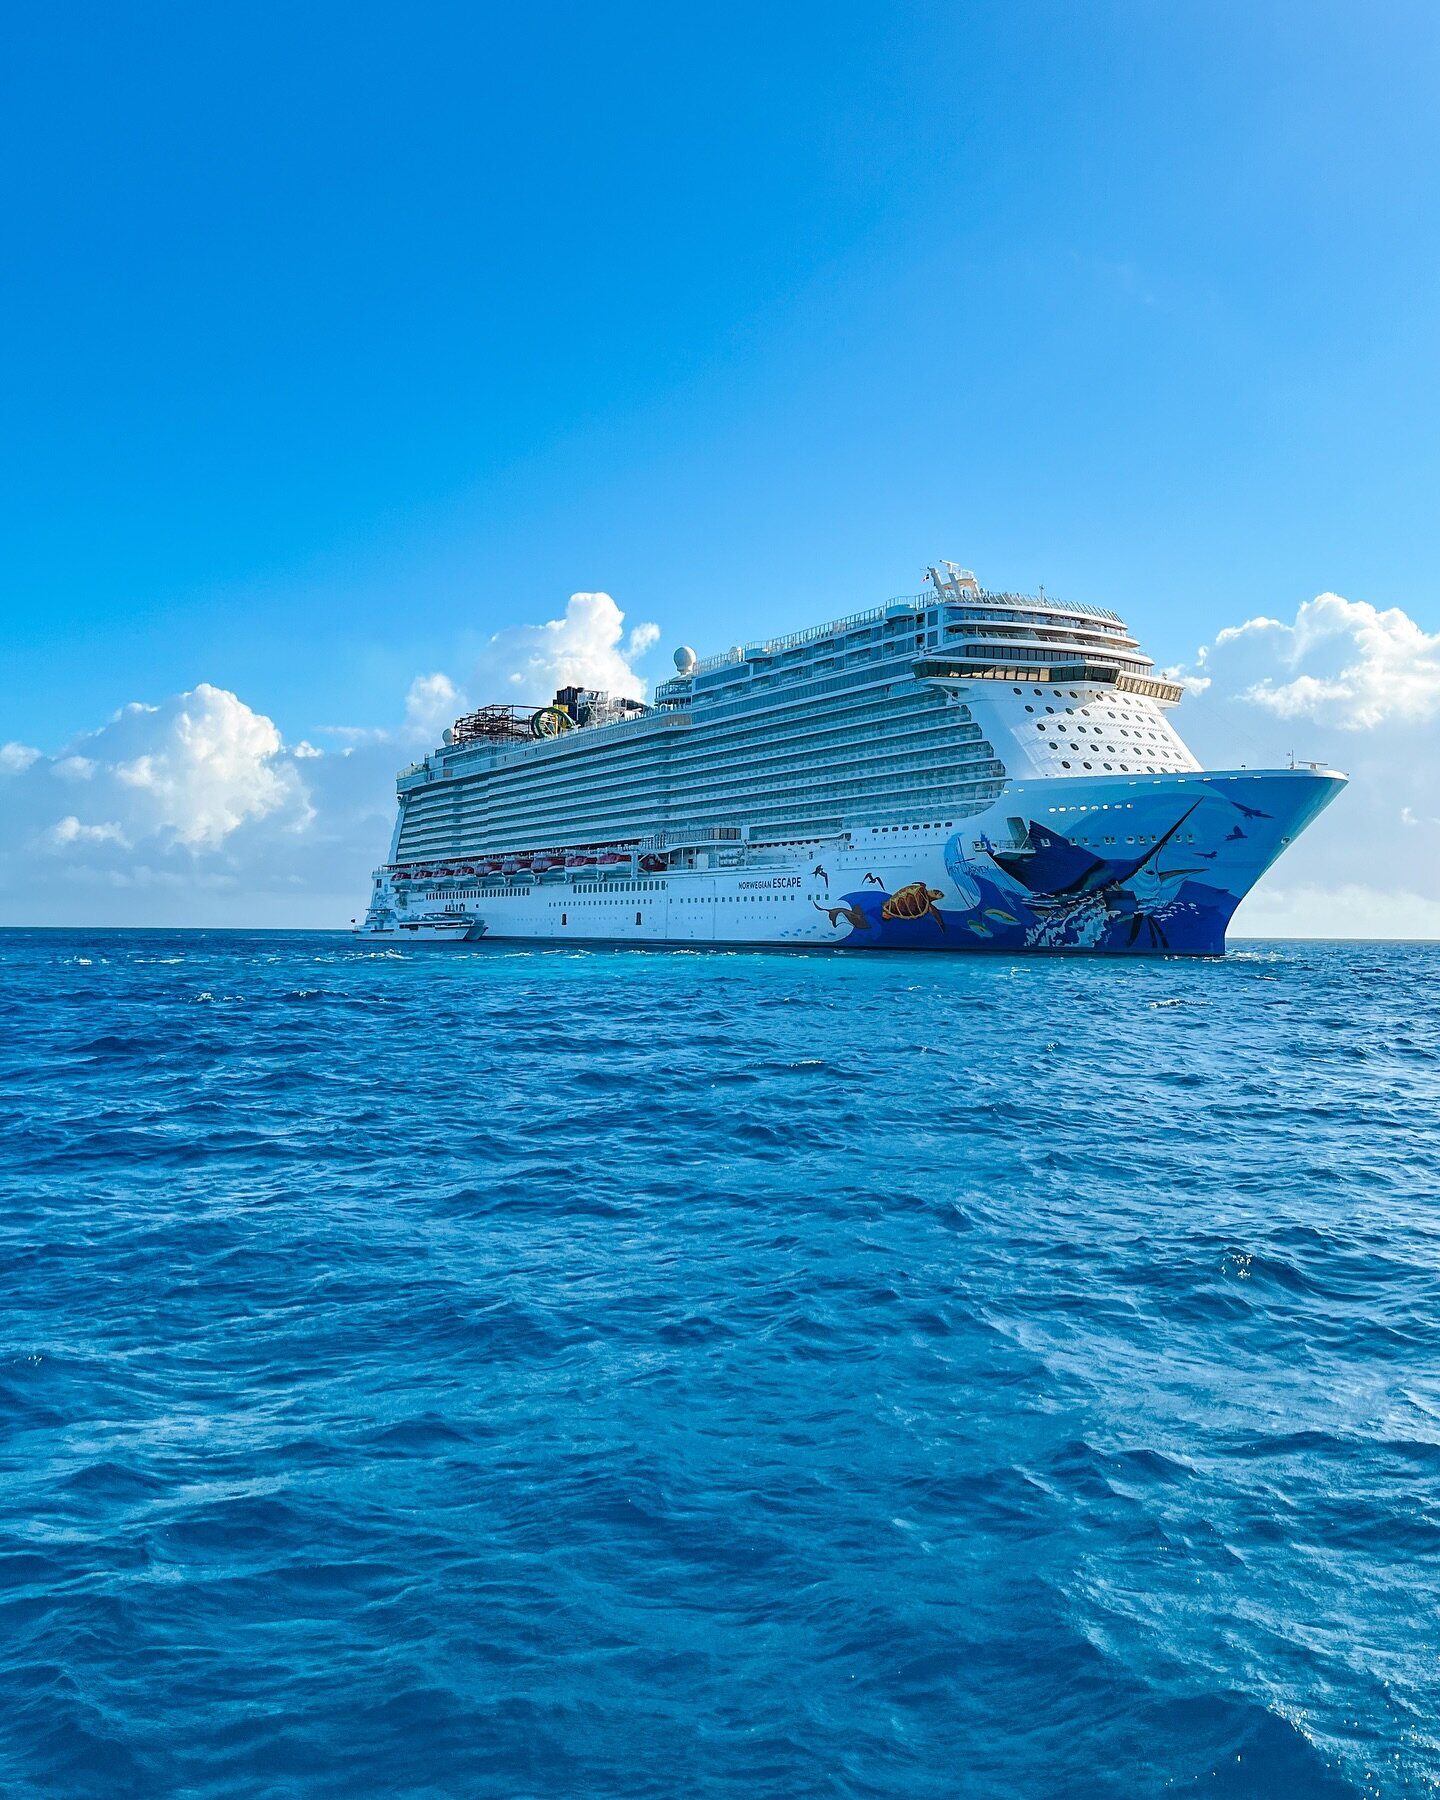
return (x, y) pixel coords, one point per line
(449, 735)
(684, 659)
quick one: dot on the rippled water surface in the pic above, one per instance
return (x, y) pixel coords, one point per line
(515, 1373)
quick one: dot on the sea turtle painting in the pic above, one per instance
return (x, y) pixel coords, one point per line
(913, 902)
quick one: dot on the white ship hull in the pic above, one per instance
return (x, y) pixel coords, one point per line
(1124, 864)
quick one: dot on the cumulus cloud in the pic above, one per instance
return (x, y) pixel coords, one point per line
(192, 811)
(432, 703)
(1341, 662)
(200, 766)
(588, 647)
(70, 830)
(176, 779)
(16, 758)
(1357, 688)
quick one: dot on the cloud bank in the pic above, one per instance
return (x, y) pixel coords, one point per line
(1341, 663)
(198, 811)
(1359, 689)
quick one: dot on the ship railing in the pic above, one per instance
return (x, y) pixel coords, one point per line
(1169, 691)
(684, 838)
(897, 607)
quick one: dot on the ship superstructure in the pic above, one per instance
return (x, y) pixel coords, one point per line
(960, 769)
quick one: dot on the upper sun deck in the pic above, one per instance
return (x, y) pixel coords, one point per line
(980, 605)
(959, 616)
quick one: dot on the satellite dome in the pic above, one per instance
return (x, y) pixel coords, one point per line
(684, 659)
(449, 736)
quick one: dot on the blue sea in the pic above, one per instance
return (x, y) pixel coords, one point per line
(509, 1372)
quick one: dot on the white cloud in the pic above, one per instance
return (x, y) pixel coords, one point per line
(1359, 689)
(16, 758)
(69, 830)
(193, 811)
(587, 647)
(75, 768)
(432, 703)
(208, 764)
(1350, 910)
(1342, 662)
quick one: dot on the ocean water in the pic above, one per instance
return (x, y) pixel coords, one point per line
(608, 1373)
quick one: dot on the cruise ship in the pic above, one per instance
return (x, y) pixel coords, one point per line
(959, 769)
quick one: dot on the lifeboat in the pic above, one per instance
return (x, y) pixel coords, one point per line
(461, 870)
(488, 868)
(652, 864)
(613, 859)
(519, 865)
(544, 861)
(580, 859)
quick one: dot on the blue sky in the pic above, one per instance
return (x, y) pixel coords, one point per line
(338, 338)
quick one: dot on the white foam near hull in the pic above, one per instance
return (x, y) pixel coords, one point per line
(1130, 864)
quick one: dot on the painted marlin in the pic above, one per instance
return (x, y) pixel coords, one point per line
(1059, 868)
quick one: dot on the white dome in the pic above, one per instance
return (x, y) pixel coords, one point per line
(684, 659)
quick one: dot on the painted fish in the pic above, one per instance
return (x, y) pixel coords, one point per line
(979, 929)
(1004, 918)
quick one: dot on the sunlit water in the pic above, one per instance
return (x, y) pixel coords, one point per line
(515, 1373)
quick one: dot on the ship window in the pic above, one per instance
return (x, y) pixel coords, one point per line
(1064, 765)
(1030, 708)
(637, 918)
(1087, 765)
(564, 918)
